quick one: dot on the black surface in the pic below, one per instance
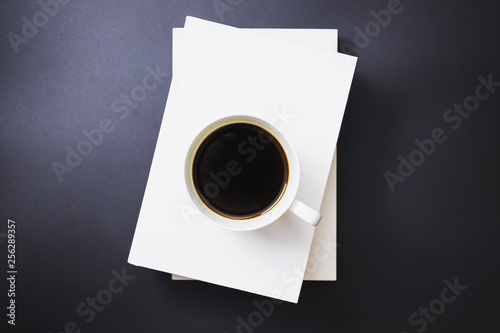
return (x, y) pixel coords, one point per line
(396, 248)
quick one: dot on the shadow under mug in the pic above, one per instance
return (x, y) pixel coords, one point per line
(284, 202)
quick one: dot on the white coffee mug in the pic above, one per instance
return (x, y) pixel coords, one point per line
(284, 203)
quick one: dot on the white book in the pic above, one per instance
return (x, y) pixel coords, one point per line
(224, 71)
(322, 262)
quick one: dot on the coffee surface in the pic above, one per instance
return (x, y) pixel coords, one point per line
(240, 171)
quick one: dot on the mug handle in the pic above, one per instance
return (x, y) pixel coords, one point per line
(305, 212)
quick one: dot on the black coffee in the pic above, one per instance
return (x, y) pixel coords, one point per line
(240, 171)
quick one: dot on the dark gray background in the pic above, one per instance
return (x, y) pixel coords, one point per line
(396, 249)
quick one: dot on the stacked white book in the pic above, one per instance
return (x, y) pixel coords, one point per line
(295, 80)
